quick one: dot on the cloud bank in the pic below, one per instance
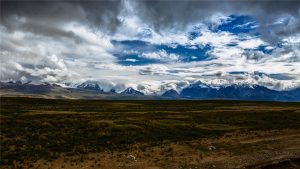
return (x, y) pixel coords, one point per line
(153, 45)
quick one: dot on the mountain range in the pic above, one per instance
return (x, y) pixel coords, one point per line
(199, 90)
(239, 92)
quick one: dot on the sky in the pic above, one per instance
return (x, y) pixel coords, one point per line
(151, 45)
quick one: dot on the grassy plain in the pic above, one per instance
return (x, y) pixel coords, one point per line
(49, 133)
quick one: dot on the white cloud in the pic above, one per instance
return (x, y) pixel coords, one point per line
(131, 60)
(160, 55)
(292, 40)
(29, 56)
(251, 43)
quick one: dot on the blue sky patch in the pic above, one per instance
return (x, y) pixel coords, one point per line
(130, 52)
(265, 49)
(188, 54)
(134, 60)
(196, 32)
(238, 24)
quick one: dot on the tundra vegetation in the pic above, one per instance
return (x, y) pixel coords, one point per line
(61, 133)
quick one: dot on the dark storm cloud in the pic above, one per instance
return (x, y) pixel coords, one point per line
(97, 14)
(41, 28)
(54, 13)
(169, 14)
(34, 32)
(160, 15)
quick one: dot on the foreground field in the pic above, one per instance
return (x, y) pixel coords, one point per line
(47, 133)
